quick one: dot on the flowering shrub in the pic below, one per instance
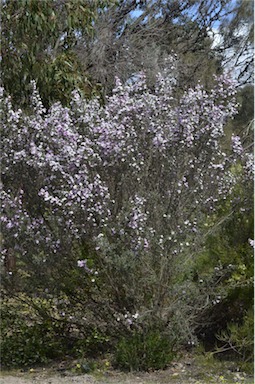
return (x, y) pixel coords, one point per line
(134, 180)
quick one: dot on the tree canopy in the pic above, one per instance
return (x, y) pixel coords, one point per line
(38, 38)
(69, 44)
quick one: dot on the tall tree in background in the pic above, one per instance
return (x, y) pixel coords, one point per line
(37, 44)
(138, 35)
(135, 36)
(67, 44)
(238, 40)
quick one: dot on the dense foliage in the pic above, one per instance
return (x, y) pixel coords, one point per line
(37, 41)
(127, 167)
(65, 44)
(104, 207)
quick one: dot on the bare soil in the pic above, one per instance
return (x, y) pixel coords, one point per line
(197, 370)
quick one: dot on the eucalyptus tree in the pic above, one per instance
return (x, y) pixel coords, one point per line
(37, 41)
(67, 44)
(237, 42)
(137, 35)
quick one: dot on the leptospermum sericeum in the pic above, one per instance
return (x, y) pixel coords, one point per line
(143, 170)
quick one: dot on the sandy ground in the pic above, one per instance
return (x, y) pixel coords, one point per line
(131, 379)
(186, 372)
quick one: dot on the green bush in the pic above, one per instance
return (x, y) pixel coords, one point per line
(27, 340)
(241, 337)
(30, 345)
(144, 351)
(224, 271)
(32, 338)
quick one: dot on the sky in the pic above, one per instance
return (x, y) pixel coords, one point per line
(230, 63)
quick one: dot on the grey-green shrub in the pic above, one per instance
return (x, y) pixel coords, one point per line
(144, 351)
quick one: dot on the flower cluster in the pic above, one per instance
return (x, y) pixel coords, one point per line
(127, 319)
(144, 166)
(237, 145)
